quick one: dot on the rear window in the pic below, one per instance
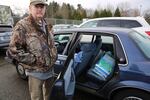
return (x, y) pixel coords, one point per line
(119, 23)
(142, 42)
(130, 24)
(109, 23)
(112, 23)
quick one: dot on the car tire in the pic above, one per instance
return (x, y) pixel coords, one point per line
(21, 71)
(131, 94)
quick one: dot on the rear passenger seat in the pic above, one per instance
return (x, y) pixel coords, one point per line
(103, 69)
(87, 55)
(86, 52)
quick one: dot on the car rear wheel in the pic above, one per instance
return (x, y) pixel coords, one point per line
(21, 71)
(131, 94)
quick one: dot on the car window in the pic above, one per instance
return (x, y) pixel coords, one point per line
(107, 39)
(109, 23)
(130, 24)
(90, 24)
(61, 41)
(86, 38)
(62, 37)
(142, 42)
(107, 43)
(112, 23)
(111, 42)
(91, 47)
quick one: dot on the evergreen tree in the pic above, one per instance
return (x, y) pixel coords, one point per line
(79, 12)
(84, 15)
(64, 11)
(117, 13)
(52, 9)
(109, 13)
(106, 13)
(96, 14)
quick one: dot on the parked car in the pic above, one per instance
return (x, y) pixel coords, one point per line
(143, 30)
(124, 54)
(128, 63)
(6, 24)
(58, 27)
(5, 34)
(127, 22)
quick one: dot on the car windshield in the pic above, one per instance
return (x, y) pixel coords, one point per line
(142, 42)
(5, 15)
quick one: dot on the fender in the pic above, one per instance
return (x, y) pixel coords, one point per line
(127, 84)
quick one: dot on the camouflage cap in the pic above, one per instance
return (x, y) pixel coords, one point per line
(34, 2)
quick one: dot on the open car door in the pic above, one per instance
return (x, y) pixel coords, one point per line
(64, 86)
(62, 42)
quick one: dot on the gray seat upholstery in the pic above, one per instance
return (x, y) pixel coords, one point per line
(87, 56)
(87, 50)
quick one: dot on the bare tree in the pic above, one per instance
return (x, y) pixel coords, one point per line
(147, 15)
(136, 12)
(90, 13)
(124, 8)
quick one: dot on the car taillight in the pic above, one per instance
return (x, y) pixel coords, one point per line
(148, 32)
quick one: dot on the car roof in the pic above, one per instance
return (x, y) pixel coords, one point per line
(112, 30)
(118, 18)
(139, 19)
(62, 24)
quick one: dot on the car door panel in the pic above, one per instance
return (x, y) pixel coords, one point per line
(64, 86)
(59, 64)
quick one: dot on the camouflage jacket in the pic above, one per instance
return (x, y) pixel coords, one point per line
(31, 46)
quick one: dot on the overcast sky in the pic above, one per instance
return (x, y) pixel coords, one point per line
(23, 4)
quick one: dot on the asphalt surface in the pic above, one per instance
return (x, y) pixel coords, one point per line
(12, 87)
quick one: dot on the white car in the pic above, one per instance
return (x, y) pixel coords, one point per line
(58, 27)
(143, 30)
(127, 22)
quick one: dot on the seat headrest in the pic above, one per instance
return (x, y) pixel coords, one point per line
(88, 47)
(98, 40)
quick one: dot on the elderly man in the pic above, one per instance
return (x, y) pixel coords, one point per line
(33, 46)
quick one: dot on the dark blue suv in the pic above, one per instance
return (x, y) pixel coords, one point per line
(110, 62)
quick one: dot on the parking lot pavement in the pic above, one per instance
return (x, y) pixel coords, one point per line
(12, 87)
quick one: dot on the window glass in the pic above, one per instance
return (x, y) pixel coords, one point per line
(62, 37)
(90, 24)
(107, 44)
(109, 23)
(86, 38)
(61, 41)
(142, 42)
(107, 39)
(130, 23)
(112, 23)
